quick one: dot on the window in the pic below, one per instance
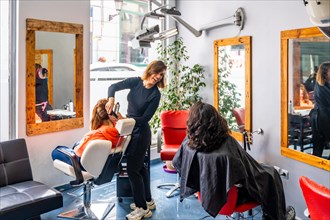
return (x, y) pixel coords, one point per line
(7, 70)
(112, 32)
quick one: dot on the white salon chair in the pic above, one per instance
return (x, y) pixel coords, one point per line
(101, 162)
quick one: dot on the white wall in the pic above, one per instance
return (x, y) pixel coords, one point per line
(41, 146)
(264, 22)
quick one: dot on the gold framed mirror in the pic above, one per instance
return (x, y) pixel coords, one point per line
(232, 83)
(302, 51)
(59, 45)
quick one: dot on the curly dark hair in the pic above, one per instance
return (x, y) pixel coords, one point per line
(206, 127)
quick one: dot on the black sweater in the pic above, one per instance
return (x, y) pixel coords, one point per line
(142, 102)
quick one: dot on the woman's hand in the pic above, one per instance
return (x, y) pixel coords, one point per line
(109, 105)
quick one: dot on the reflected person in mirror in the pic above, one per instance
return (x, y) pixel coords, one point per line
(143, 100)
(42, 104)
(311, 80)
(320, 115)
(102, 128)
(304, 97)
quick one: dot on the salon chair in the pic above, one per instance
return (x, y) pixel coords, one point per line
(239, 114)
(100, 162)
(317, 198)
(169, 139)
(231, 208)
(300, 132)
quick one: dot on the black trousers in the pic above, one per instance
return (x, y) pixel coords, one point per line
(320, 119)
(137, 172)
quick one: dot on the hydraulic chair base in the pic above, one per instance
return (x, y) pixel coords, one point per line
(170, 193)
(89, 210)
(97, 211)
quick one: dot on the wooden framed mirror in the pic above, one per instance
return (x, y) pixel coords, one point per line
(232, 83)
(57, 80)
(302, 51)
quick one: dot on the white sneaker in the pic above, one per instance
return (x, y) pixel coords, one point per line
(138, 214)
(151, 205)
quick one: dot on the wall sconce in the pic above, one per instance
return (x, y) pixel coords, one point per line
(118, 6)
(168, 33)
(143, 38)
(236, 19)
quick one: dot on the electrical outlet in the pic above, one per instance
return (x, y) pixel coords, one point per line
(284, 173)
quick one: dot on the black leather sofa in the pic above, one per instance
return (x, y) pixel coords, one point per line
(20, 196)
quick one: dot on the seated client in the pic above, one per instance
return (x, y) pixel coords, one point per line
(102, 128)
(211, 161)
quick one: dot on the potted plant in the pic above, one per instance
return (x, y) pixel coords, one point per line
(183, 82)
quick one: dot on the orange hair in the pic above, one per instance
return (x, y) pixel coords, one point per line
(99, 114)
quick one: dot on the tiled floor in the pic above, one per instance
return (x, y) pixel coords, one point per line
(167, 208)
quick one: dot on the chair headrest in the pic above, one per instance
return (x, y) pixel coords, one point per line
(174, 119)
(125, 126)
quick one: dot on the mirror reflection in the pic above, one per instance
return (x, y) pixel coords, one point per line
(54, 80)
(62, 46)
(232, 82)
(45, 59)
(307, 55)
(231, 74)
(303, 136)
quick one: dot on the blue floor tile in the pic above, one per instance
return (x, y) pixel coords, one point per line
(166, 208)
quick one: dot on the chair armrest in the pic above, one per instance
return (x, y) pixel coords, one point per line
(159, 139)
(75, 164)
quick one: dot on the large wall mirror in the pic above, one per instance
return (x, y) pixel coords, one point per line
(54, 76)
(232, 82)
(302, 51)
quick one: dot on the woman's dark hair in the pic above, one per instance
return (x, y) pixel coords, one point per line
(207, 129)
(155, 66)
(321, 76)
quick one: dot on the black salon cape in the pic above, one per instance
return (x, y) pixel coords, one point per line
(214, 173)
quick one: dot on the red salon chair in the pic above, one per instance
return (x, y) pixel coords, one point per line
(172, 133)
(230, 207)
(239, 114)
(317, 198)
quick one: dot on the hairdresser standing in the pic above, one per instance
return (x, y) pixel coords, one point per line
(143, 100)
